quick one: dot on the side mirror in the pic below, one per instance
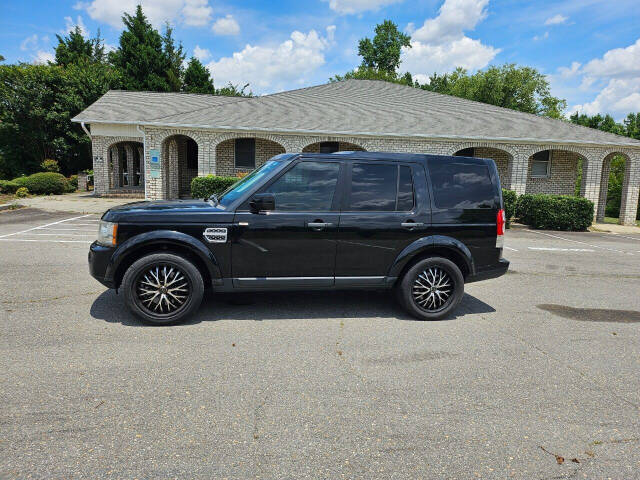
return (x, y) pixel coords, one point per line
(261, 202)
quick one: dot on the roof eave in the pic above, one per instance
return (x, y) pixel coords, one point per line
(226, 128)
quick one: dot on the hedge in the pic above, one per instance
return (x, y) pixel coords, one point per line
(204, 187)
(8, 186)
(510, 198)
(44, 183)
(555, 212)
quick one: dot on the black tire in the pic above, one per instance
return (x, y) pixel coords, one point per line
(166, 309)
(424, 300)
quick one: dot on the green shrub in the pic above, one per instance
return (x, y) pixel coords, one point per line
(44, 183)
(8, 186)
(49, 165)
(73, 183)
(555, 212)
(204, 187)
(22, 192)
(510, 198)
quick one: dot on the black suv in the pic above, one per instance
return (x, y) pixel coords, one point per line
(421, 224)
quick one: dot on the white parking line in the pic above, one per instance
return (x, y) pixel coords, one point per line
(42, 226)
(557, 249)
(578, 241)
(512, 249)
(624, 236)
(44, 241)
(65, 234)
(68, 230)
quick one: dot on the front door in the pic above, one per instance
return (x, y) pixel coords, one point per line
(295, 244)
(386, 207)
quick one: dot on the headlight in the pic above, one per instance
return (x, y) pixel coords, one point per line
(107, 233)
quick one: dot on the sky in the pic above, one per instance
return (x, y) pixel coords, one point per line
(589, 49)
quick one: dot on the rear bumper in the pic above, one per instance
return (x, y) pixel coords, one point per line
(492, 272)
(99, 259)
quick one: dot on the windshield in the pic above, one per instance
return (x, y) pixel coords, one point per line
(240, 187)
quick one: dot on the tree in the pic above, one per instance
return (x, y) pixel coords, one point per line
(1, 58)
(231, 90)
(38, 102)
(383, 52)
(364, 73)
(140, 57)
(197, 78)
(76, 49)
(510, 86)
(174, 57)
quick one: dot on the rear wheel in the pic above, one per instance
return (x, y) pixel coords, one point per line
(431, 288)
(163, 288)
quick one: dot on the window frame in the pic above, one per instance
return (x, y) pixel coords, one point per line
(235, 153)
(548, 162)
(346, 193)
(337, 194)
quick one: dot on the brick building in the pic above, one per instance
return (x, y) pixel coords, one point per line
(152, 144)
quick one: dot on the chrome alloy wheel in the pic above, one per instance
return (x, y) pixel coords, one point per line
(162, 289)
(432, 289)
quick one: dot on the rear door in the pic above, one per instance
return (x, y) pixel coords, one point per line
(385, 208)
(466, 203)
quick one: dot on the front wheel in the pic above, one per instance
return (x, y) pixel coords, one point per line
(162, 288)
(431, 288)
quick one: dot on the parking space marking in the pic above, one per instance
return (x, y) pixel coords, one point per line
(558, 249)
(43, 241)
(43, 226)
(625, 236)
(512, 249)
(578, 241)
(64, 234)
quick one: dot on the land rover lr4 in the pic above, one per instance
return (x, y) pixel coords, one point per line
(420, 224)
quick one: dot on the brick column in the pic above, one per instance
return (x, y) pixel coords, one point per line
(141, 166)
(100, 167)
(604, 186)
(171, 169)
(591, 179)
(630, 190)
(518, 171)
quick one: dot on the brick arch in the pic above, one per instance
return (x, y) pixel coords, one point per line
(176, 171)
(462, 146)
(194, 135)
(604, 179)
(266, 146)
(566, 148)
(114, 172)
(283, 141)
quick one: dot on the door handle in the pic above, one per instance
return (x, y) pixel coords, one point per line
(411, 225)
(318, 225)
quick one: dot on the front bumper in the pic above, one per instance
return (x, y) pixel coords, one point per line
(99, 260)
(492, 272)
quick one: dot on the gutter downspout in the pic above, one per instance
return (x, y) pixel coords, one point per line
(144, 160)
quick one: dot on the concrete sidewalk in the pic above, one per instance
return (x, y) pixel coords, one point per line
(80, 202)
(614, 228)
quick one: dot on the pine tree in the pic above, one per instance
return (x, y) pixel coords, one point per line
(140, 58)
(197, 78)
(174, 58)
(75, 49)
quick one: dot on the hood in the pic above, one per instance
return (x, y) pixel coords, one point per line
(171, 211)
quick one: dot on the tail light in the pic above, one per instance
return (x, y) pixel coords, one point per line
(500, 225)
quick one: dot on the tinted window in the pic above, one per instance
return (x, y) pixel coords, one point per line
(373, 187)
(540, 164)
(459, 184)
(405, 190)
(308, 186)
(245, 152)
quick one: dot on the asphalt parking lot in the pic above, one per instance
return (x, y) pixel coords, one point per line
(536, 376)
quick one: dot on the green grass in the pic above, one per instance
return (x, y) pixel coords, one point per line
(615, 220)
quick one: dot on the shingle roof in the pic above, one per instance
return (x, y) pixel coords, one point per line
(352, 107)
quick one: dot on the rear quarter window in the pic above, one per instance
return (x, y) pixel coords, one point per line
(461, 184)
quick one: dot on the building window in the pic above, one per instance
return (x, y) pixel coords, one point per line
(466, 152)
(245, 152)
(329, 147)
(192, 154)
(541, 164)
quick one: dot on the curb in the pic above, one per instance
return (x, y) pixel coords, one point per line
(7, 206)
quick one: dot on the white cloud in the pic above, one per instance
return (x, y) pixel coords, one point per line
(201, 54)
(556, 20)
(544, 36)
(274, 67)
(614, 79)
(30, 43)
(441, 45)
(619, 97)
(346, 7)
(226, 26)
(70, 25)
(189, 12)
(42, 57)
